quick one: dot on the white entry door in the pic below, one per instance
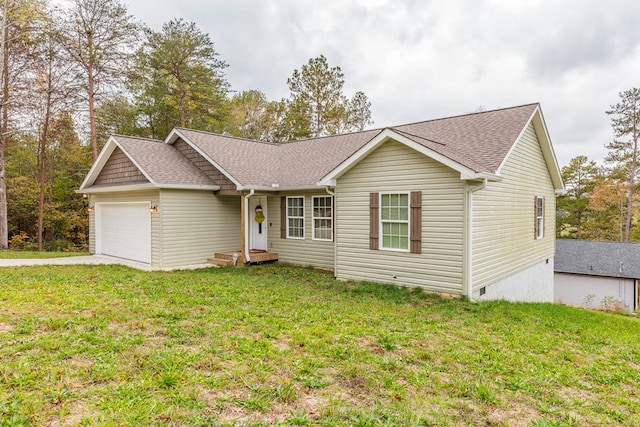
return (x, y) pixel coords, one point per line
(258, 230)
(124, 230)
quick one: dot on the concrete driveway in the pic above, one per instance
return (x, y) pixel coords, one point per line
(75, 260)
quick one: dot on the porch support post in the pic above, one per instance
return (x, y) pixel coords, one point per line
(245, 225)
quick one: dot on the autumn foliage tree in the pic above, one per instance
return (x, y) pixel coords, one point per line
(580, 177)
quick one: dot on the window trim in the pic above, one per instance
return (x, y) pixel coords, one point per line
(289, 236)
(539, 220)
(314, 217)
(407, 221)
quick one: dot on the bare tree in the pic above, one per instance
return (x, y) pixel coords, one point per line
(53, 92)
(4, 227)
(18, 19)
(100, 37)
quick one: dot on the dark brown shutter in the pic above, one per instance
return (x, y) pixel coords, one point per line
(535, 217)
(374, 220)
(416, 222)
(283, 217)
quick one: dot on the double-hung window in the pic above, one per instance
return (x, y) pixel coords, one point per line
(539, 217)
(295, 217)
(394, 221)
(322, 218)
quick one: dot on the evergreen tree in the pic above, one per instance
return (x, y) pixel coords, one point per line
(580, 176)
(318, 106)
(623, 151)
(178, 80)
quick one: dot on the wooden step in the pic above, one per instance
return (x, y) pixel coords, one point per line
(219, 262)
(227, 255)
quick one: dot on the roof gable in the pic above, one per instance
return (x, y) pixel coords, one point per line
(119, 169)
(476, 145)
(161, 165)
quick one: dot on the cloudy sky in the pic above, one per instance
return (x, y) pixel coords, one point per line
(424, 59)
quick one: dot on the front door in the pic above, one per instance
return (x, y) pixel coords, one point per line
(258, 223)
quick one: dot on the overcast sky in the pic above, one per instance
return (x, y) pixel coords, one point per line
(424, 59)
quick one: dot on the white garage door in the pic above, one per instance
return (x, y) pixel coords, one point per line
(124, 230)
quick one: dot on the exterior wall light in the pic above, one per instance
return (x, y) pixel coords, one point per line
(153, 209)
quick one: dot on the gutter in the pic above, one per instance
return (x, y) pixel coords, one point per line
(468, 248)
(247, 258)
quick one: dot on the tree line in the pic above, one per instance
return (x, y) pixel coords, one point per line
(601, 201)
(71, 76)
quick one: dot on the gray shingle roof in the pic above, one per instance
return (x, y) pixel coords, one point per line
(596, 258)
(162, 162)
(478, 141)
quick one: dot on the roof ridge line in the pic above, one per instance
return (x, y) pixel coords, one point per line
(115, 135)
(469, 114)
(418, 136)
(229, 136)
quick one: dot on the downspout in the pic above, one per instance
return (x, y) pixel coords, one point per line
(335, 242)
(247, 258)
(469, 238)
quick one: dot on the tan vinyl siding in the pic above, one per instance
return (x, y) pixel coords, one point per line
(317, 253)
(395, 168)
(196, 224)
(226, 186)
(503, 226)
(151, 196)
(118, 170)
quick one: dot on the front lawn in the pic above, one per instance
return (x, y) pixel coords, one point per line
(5, 254)
(109, 345)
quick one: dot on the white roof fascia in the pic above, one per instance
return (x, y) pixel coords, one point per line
(384, 136)
(188, 187)
(101, 160)
(547, 149)
(282, 188)
(175, 134)
(300, 187)
(545, 145)
(116, 188)
(479, 176)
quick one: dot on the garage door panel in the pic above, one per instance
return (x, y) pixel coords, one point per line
(125, 231)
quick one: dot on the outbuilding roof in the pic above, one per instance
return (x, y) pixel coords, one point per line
(598, 258)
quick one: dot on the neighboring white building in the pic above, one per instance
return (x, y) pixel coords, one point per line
(461, 205)
(597, 274)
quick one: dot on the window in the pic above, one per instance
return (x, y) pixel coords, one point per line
(539, 217)
(322, 218)
(394, 221)
(295, 217)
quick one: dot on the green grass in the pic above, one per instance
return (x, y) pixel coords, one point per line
(280, 345)
(6, 254)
